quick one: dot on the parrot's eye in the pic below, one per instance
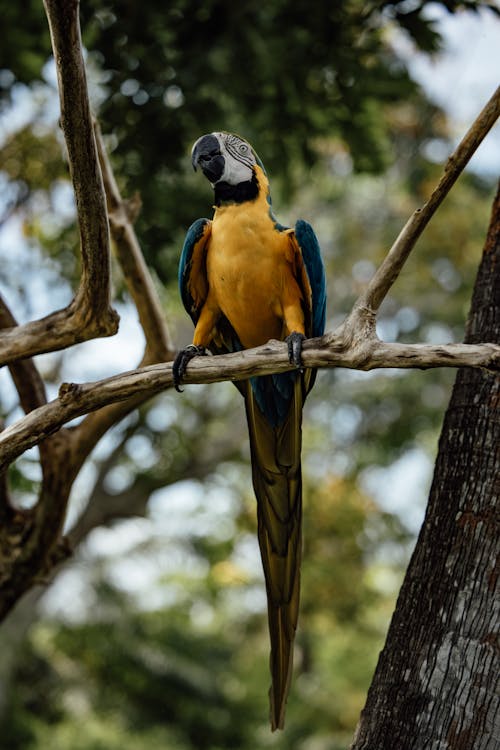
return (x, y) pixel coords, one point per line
(243, 148)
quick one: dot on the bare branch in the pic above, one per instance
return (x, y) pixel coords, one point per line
(5, 504)
(159, 347)
(31, 544)
(76, 123)
(27, 380)
(390, 268)
(75, 400)
(36, 541)
(89, 314)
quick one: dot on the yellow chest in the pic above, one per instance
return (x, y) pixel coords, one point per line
(248, 264)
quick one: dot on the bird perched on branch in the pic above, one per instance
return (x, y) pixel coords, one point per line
(244, 279)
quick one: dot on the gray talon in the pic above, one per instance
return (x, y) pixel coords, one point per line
(294, 341)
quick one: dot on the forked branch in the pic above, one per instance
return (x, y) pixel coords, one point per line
(354, 344)
(30, 543)
(89, 314)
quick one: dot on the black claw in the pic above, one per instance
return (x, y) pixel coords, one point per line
(181, 362)
(294, 341)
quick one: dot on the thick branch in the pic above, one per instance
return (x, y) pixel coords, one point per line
(436, 682)
(76, 123)
(63, 454)
(391, 267)
(34, 539)
(89, 315)
(75, 400)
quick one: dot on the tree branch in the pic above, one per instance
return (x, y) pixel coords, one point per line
(371, 299)
(89, 314)
(32, 545)
(159, 346)
(77, 399)
(76, 123)
(26, 378)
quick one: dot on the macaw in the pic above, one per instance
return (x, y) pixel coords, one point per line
(244, 279)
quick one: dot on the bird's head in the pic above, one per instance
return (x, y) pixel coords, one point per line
(224, 158)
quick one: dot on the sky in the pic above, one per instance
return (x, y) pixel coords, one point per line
(464, 76)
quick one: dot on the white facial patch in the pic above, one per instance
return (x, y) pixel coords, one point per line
(238, 158)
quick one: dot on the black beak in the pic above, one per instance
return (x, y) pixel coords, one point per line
(206, 155)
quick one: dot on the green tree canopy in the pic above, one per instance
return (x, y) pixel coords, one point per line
(286, 75)
(322, 93)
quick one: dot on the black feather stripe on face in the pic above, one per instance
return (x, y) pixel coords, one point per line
(239, 150)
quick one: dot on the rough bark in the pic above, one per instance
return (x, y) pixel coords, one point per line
(435, 686)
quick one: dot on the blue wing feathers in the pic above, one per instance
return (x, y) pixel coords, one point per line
(194, 235)
(311, 255)
(273, 393)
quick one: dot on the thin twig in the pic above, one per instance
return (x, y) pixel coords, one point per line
(137, 276)
(389, 270)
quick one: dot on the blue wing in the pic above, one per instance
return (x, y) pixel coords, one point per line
(311, 255)
(193, 284)
(273, 393)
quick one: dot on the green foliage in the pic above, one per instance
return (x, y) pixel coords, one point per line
(319, 90)
(284, 74)
(26, 44)
(32, 159)
(191, 674)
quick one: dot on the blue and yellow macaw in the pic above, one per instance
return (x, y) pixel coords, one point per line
(244, 279)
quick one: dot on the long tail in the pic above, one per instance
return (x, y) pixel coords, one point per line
(277, 481)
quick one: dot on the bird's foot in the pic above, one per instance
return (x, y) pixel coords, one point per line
(181, 362)
(295, 341)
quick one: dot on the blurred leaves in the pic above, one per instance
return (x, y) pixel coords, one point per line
(192, 672)
(282, 74)
(163, 643)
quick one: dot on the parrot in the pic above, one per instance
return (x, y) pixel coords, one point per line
(244, 279)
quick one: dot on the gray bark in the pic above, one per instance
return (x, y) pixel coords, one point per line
(436, 683)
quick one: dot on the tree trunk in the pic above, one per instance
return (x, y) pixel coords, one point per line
(435, 682)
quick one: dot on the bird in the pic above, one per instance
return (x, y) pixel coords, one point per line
(244, 279)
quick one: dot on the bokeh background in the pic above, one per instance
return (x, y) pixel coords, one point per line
(155, 633)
